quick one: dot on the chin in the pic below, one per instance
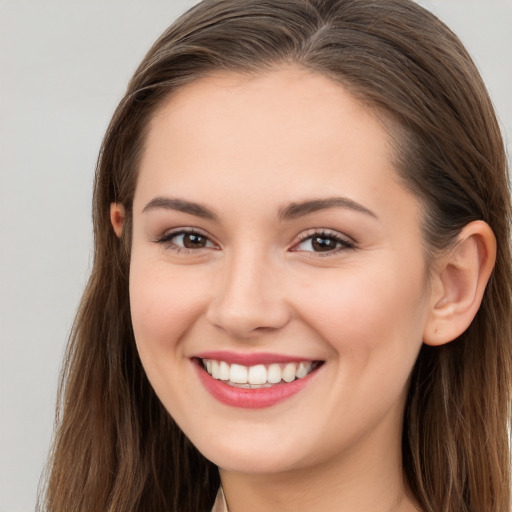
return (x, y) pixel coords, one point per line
(252, 463)
(262, 458)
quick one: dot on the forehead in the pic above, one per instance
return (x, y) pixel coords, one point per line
(269, 103)
(282, 135)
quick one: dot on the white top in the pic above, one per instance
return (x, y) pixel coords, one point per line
(220, 504)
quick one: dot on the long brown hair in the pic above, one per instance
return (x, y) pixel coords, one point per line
(116, 447)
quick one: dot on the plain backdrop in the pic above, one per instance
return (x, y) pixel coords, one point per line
(64, 66)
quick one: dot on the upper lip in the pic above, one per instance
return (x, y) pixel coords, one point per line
(251, 359)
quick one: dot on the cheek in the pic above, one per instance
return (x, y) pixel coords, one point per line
(373, 323)
(164, 304)
(366, 312)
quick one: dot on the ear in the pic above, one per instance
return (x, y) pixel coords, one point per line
(117, 215)
(459, 283)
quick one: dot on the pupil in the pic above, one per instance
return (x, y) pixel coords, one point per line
(192, 241)
(323, 244)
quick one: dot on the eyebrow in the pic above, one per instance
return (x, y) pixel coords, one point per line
(292, 211)
(295, 210)
(180, 205)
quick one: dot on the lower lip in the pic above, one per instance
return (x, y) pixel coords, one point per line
(251, 398)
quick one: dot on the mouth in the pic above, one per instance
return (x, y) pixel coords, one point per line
(260, 375)
(263, 381)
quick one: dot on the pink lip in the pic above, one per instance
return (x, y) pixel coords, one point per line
(250, 398)
(250, 359)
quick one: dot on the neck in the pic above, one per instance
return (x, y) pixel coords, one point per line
(369, 479)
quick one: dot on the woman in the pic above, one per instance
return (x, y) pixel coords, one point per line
(302, 273)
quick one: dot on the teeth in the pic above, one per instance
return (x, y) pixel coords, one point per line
(257, 376)
(215, 370)
(238, 374)
(302, 370)
(289, 371)
(224, 373)
(274, 374)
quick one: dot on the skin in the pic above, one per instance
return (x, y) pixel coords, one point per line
(246, 148)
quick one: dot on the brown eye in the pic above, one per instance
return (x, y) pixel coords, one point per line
(189, 240)
(194, 241)
(323, 243)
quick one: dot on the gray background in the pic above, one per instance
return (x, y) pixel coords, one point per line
(64, 66)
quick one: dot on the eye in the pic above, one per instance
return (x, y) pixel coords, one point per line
(323, 242)
(186, 239)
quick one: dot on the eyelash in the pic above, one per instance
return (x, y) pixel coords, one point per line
(341, 242)
(166, 239)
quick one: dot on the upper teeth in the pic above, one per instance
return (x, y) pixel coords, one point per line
(259, 375)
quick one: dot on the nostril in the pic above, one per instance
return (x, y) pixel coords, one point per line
(243, 322)
(249, 298)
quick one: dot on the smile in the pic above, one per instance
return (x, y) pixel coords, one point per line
(253, 381)
(257, 376)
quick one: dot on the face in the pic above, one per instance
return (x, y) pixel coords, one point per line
(277, 283)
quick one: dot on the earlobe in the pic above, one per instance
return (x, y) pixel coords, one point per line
(117, 215)
(459, 283)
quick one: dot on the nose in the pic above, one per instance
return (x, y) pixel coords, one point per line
(249, 299)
